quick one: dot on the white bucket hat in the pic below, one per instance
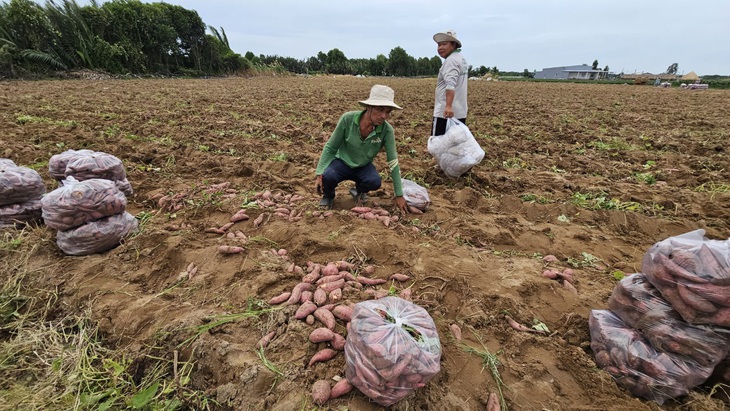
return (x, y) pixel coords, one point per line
(448, 35)
(381, 96)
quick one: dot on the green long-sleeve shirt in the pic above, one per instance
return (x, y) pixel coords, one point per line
(346, 144)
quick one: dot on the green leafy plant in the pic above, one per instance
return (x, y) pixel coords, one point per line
(646, 178)
(514, 162)
(585, 260)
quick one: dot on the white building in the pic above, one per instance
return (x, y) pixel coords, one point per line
(581, 72)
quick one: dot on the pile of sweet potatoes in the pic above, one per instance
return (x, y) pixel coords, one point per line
(21, 189)
(324, 299)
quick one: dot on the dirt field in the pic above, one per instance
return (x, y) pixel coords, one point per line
(593, 174)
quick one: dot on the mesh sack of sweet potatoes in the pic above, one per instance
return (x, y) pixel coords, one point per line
(636, 365)
(58, 162)
(97, 236)
(392, 349)
(415, 195)
(19, 184)
(18, 214)
(100, 165)
(693, 274)
(640, 305)
(78, 202)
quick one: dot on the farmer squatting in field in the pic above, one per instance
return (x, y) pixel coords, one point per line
(451, 87)
(349, 153)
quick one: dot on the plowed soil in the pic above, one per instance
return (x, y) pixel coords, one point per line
(593, 174)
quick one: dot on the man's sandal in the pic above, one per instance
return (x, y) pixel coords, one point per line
(362, 197)
(326, 202)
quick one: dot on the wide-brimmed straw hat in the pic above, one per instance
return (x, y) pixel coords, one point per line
(448, 35)
(381, 96)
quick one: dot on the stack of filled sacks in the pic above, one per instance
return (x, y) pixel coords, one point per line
(666, 330)
(21, 189)
(89, 215)
(86, 164)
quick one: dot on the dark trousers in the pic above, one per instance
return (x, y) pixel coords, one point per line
(439, 126)
(366, 178)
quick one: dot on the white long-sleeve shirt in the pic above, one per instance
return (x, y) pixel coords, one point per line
(453, 75)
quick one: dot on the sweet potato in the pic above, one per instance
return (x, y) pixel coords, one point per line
(280, 298)
(549, 259)
(371, 281)
(414, 210)
(329, 287)
(321, 392)
(296, 292)
(399, 277)
(320, 296)
(342, 312)
(695, 301)
(330, 269)
(329, 279)
(259, 220)
(265, 340)
(325, 317)
(322, 355)
(493, 403)
(306, 296)
(225, 227)
(321, 334)
(305, 309)
(240, 215)
(338, 342)
(229, 249)
(341, 388)
(335, 295)
(456, 330)
(551, 274)
(519, 327)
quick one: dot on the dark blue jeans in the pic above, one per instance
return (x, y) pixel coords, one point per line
(366, 178)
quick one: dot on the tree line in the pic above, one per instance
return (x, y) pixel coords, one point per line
(131, 37)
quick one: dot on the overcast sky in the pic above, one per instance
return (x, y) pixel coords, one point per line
(626, 35)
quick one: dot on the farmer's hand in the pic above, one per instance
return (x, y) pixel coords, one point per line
(400, 202)
(318, 184)
(448, 112)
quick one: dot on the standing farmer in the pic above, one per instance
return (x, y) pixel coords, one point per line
(349, 153)
(452, 82)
